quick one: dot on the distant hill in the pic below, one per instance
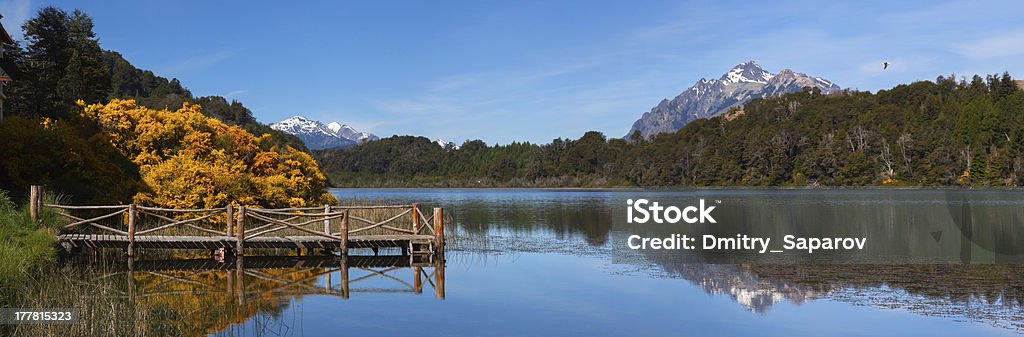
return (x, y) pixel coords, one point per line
(709, 98)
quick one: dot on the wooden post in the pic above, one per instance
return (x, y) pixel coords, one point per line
(344, 274)
(344, 234)
(230, 221)
(239, 242)
(231, 283)
(439, 277)
(327, 222)
(417, 284)
(240, 273)
(439, 230)
(131, 230)
(35, 196)
(131, 278)
(416, 225)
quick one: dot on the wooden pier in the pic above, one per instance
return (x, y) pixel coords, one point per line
(236, 229)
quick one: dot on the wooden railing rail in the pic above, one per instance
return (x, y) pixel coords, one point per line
(382, 224)
(297, 226)
(92, 221)
(86, 207)
(186, 222)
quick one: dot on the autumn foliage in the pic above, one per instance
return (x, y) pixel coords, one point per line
(188, 160)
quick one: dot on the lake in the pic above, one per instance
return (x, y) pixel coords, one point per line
(544, 262)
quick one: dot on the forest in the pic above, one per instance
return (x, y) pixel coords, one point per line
(947, 132)
(85, 123)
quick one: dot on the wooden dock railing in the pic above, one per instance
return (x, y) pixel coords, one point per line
(235, 228)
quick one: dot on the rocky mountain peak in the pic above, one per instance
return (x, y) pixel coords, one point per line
(748, 71)
(708, 98)
(317, 135)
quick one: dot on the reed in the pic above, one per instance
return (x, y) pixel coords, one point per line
(102, 293)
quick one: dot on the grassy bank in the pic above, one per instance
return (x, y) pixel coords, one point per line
(30, 278)
(25, 247)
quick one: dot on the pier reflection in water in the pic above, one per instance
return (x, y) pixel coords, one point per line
(266, 278)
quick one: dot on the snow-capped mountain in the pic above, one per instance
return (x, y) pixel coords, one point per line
(444, 144)
(709, 98)
(347, 132)
(317, 135)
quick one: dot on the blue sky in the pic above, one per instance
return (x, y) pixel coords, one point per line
(530, 70)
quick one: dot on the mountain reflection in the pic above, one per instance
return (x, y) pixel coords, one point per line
(746, 288)
(989, 293)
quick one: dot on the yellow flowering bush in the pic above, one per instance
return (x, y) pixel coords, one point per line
(188, 160)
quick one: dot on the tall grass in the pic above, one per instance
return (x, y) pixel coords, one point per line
(104, 310)
(107, 307)
(29, 278)
(25, 247)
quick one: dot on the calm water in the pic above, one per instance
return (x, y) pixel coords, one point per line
(540, 262)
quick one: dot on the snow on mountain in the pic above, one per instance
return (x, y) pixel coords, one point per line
(347, 132)
(446, 144)
(334, 127)
(708, 98)
(316, 135)
(748, 71)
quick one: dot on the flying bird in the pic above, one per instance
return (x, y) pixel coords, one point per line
(885, 65)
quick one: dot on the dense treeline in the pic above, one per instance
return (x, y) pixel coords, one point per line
(947, 132)
(161, 147)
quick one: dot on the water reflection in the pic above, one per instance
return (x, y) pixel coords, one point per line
(546, 258)
(563, 214)
(759, 287)
(206, 296)
(951, 226)
(275, 277)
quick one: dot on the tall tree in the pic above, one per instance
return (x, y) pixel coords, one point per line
(63, 63)
(86, 76)
(48, 44)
